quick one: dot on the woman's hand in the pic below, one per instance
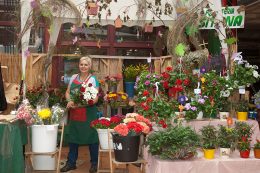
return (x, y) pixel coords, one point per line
(71, 104)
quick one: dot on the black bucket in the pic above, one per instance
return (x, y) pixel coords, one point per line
(126, 148)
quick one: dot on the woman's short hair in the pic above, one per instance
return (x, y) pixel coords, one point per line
(86, 58)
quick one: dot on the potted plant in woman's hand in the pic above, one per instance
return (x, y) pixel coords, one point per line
(242, 110)
(257, 149)
(209, 140)
(226, 139)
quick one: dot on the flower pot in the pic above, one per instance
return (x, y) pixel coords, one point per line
(242, 116)
(44, 139)
(129, 89)
(209, 153)
(200, 115)
(224, 153)
(223, 116)
(126, 148)
(105, 141)
(245, 154)
(257, 153)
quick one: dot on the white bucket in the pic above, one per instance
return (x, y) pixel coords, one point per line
(103, 138)
(44, 139)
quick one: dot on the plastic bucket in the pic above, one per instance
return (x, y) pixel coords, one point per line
(209, 153)
(129, 89)
(126, 148)
(44, 140)
(242, 116)
(103, 139)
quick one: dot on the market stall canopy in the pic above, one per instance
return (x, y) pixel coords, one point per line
(137, 12)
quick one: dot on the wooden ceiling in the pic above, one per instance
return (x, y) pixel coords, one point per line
(249, 36)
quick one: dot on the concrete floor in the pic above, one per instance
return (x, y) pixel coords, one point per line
(83, 163)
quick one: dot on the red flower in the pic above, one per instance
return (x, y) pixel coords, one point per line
(145, 93)
(186, 82)
(149, 99)
(169, 68)
(90, 85)
(163, 124)
(81, 97)
(115, 119)
(166, 84)
(82, 89)
(178, 82)
(137, 128)
(90, 102)
(165, 75)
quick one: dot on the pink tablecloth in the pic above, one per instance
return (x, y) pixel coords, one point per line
(235, 164)
(197, 125)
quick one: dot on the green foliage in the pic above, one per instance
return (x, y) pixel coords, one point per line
(227, 137)
(131, 72)
(174, 143)
(191, 30)
(180, 49)
(230, 40)
(223, 104)
(244, 145)
(257, 144)
(242, 106)
(209, 137)
(243, 130)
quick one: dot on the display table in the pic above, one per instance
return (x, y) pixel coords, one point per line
(197, 125)
(200, 164)
(12, 138)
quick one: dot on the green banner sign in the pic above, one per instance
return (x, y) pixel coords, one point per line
(233, 18)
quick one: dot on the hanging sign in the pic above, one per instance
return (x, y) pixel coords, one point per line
(234, 19)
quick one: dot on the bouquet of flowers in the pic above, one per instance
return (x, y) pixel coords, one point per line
(113, 80)
(116, 99)
(134, 124)
(85, 95)
(25, 112)
(106, 123)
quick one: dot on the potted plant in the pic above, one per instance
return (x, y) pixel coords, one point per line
(223, 106)
(244, 148)
(244, 130)
(242, 110)
(257, 149)
(174, 143)
(226, 139)
(126, 137)
(130, 73)
(112, 82)
(103, 126)
(115, 100)
(208, 140)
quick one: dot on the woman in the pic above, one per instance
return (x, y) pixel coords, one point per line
(79, 128)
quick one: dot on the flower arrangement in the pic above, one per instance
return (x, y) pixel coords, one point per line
(132, 71)
(85, 95)
(41, 116)
(244, 130)
(113, 80)
(106, 123)
(117, 99)
(133, 124)
(191, 111)
(208, 137)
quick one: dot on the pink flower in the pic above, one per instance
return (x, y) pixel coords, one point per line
(122, 129)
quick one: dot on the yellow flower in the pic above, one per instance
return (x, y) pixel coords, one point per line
(44, 113)
(203, 79)
(124, 97)
(181, 107)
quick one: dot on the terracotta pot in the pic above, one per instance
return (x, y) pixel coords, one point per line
(257, 153)
(245, 154)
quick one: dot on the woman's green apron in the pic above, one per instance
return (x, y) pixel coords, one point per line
(79, 130)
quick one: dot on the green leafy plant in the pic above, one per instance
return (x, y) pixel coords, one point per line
(175, 143)
(244, 145)
(223, 105)
(132, 71)
(257, 144)
(241, 106)
(227, 137)
(244, 130)
(208, 137)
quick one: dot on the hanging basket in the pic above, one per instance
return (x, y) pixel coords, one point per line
(126, 148)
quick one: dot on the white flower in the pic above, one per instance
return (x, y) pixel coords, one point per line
(255, 74)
